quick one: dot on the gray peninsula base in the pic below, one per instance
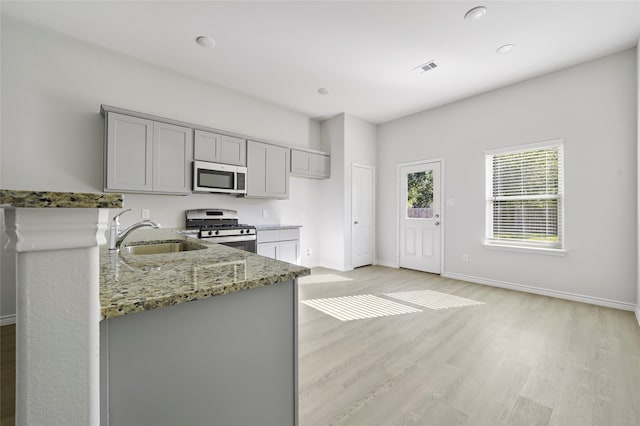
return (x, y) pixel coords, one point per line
(227, 360)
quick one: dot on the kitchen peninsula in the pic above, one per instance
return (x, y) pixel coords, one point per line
(229, 360)
(108, 338)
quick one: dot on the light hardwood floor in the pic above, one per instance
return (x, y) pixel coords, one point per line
(519, 359)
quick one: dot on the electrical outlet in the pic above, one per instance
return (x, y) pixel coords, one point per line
(465, 257)
(309, 252)
(146, 214)
(265, 213)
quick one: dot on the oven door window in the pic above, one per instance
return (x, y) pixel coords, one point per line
(216, 179)
(243, 245)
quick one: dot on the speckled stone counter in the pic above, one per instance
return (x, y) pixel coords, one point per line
(137, 283)
(274, 227)
(45, 199)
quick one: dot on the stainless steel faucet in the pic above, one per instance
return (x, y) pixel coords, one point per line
(116, 237)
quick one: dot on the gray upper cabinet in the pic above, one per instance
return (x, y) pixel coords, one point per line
(128, 153)
(267, 170)
(147, 156)
(172, 156)
(220, 148)
(310, 164)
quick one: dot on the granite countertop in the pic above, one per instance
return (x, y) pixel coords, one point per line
(275, 226)
(48, 199)
(137, 283)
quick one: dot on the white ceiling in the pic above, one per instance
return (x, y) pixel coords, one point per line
(363, 52)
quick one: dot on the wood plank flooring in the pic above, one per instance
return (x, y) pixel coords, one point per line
(7, 374)
(519, 359)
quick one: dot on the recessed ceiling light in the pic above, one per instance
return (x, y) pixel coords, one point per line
(205, 41)
(505, 49)
(323, 91)
(475, 13)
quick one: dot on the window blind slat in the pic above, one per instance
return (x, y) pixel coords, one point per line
(524, 202)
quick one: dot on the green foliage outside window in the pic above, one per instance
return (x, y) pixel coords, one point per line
(420, 189)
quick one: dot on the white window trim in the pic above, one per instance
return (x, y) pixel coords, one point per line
(515, 246)
(526, 249)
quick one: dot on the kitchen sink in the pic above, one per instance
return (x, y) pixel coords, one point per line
(161, 248)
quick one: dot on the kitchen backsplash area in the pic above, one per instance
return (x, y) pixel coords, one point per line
(299, 209)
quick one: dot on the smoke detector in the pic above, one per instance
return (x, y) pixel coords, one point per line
(425, 67)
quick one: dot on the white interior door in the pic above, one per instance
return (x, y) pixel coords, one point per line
(420, 244)
(362, 215)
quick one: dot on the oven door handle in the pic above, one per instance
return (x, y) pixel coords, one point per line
(234, 239)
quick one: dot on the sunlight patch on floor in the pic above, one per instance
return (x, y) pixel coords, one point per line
(433, 299)
(359, 307)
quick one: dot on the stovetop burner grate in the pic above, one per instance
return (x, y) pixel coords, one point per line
(217, 223)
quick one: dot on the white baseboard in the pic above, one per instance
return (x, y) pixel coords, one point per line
(7, 319)
(339, 268)
(638, 313)
(387, 264)
(545, 292)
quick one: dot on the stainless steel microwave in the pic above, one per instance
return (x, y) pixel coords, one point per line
(220, 178)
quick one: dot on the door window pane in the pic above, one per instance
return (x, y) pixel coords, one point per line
(420, 195)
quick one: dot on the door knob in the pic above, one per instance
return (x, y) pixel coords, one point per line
(437, 223)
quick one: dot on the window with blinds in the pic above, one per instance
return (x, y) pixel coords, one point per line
(525, 196)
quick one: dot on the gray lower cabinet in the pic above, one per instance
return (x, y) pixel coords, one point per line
(310, 164)
(267, 170)
(229, 360)
(218, 148)
(280, 244)
(147, 156)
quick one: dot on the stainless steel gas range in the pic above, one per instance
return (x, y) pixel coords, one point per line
(221, 226)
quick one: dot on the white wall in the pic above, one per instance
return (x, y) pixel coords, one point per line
(592, 106)
(360, 148)
(332, 193)
(638, 183)
(350, 140)
(52, 133)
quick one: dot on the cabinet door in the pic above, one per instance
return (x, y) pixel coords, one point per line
(288, 251)
(233, 151)
(129, 153)
(278, 171)
(172, 154)
(257, 169)
(300, 162)
(320, 165)
(312, 164)
(206, 146)
(269, 250)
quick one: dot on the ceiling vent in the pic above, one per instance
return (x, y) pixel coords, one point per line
(425, 67)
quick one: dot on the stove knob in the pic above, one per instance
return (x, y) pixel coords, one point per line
(210, 233)
(217, 232)
(242, 231)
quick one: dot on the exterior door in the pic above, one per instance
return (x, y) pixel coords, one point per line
(420, 244)
(362, 223)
